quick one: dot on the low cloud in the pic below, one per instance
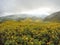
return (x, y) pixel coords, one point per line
(13, 6)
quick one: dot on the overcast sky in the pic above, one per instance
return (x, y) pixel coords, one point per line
(15, 6)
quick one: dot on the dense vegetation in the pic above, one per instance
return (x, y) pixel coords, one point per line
(28, 32)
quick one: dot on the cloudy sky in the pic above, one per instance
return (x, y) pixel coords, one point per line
(29, 6)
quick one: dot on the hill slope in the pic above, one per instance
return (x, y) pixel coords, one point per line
(55, 17)
(18, 17)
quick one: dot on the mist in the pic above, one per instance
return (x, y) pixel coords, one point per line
(8, 7)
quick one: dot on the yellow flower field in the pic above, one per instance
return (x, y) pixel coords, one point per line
(28, 32)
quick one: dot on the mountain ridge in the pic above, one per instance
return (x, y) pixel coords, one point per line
(18, 17)
(54, 17)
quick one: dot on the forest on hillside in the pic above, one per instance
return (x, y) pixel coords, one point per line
(28, 32)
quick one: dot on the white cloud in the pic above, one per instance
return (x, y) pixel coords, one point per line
(39, 11)
(28, 6)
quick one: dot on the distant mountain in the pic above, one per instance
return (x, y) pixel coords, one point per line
(43, 16)
(18, 17)
(55, 17)
(12, 17)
